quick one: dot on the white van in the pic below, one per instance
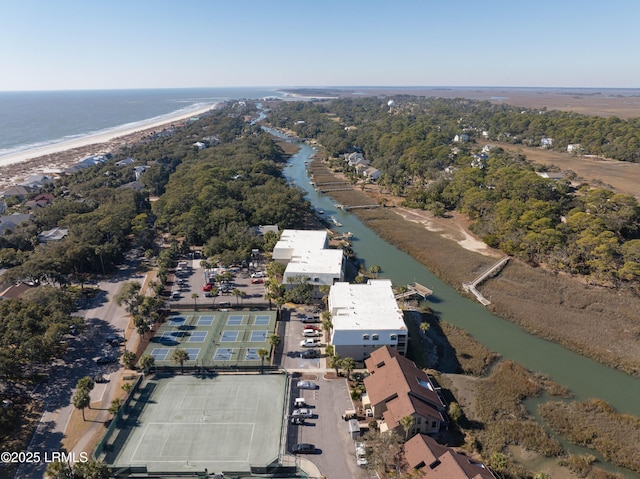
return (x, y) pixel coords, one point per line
(175, 295)
(299, 402)
(310, 333)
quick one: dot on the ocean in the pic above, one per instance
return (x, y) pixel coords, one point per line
(38, 119)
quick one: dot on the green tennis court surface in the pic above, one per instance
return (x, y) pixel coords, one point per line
(189, 423)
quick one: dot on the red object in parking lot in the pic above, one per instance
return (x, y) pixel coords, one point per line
(257, 281)
(311, 327)
(206, 287)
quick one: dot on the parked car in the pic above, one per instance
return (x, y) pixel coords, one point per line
(115, 339)
(311, 327)
(257, 281)
(309, 354)
(257, 274)
(310, 343)
(207, 287)
(307, 385)
(310, 333)
(105, 360)
(310, 319)
(303, 448)
(305, 413)
(100, 379)
(297, 420)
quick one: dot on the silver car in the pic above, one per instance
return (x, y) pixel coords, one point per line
(307, 385)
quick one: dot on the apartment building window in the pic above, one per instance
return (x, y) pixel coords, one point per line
(365, 337)
(375, 337)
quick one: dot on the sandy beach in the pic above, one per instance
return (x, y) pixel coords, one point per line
(55, 158)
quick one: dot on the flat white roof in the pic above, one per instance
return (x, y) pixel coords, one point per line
(315, 261)
(301, 239)
(365, 306)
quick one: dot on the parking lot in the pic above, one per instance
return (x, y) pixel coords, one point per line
(191, 279)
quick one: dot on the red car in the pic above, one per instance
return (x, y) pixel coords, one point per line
(257, 281)
(207, 287)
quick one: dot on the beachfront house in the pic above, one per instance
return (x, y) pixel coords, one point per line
(397, 388)
(306, 254)
(365, 317)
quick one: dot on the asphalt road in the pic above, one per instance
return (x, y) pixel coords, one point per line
(102, 317)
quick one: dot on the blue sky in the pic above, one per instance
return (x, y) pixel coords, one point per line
(92, 44)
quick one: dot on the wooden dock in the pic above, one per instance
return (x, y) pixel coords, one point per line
(471, 285)
(415, 289)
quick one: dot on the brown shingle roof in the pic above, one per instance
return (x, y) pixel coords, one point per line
(392, 373)
(436, 461)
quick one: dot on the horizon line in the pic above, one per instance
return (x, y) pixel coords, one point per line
(329, 87)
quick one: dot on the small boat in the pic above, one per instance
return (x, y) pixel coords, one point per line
(335, 221)
(320, 212)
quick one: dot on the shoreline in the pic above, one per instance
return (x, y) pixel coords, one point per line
(54, 158)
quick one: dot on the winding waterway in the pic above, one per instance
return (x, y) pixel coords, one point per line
(584, 377)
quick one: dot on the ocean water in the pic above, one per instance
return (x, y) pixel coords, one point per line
(35, 119)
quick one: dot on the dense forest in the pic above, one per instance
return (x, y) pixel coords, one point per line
(594, 232)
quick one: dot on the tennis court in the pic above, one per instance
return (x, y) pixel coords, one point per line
(189, 423)
(218, 339)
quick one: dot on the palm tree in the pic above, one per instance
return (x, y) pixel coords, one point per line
(194, 296)
(263, 353)
(407, 423)
(375, 270)
(424, 327)
(115, 405)
(179, 357)
(147, 361)
(274, 341)
(129, 359)
(335, 361)
(348, 364)
(236, 292)
(91, 470)
(59, 470)
(81, 400)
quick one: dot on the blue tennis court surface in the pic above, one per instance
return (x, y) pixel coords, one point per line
(235, 319)
(205, 320)
(252, 354)
(258, 336)
(229, 336)
(262, 320)
(160, 354)
(198, 337)
(193, 353)
(223, 354)
(205, 336)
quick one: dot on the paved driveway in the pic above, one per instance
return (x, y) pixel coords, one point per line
(327, 430)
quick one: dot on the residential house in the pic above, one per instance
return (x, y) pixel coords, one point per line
(200, 145)
(372, 173)
(397, 388)
(461, 138)
(55, 234)
(546, 142)
(15, 291)
(40, 201)
(19, 192)
(550, 175)
(261, 230)
(127, 161)
(435, 461)
(479, 160)
(305, 253)
(487, 148)
(354, 159)
(35, 182)
(88, 162)
(365, 317)
(10, 222)
(574, 148)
